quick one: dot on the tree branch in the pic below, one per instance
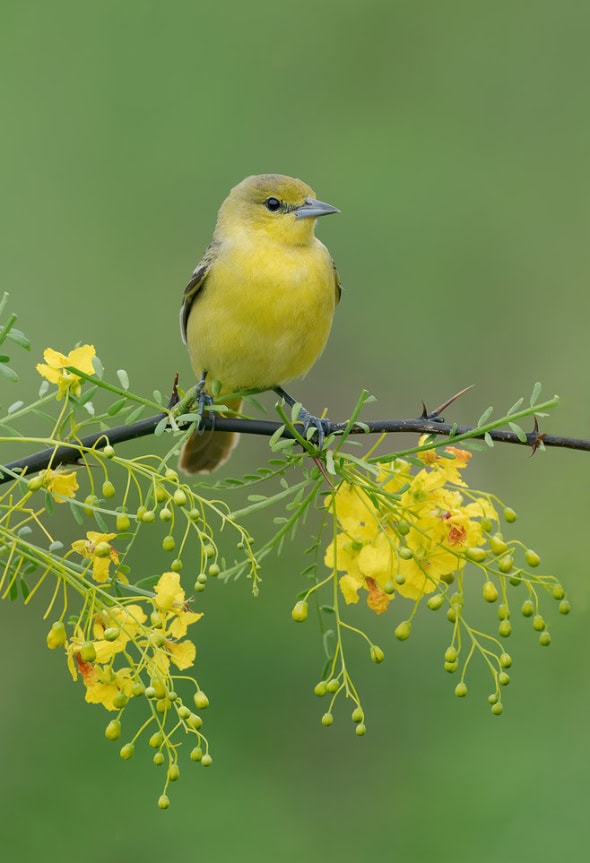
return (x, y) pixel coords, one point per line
(69, 453)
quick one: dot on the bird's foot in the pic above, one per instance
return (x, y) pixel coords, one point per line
(203, 399)
(321, 426)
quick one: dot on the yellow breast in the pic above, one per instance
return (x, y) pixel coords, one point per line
(263, 315)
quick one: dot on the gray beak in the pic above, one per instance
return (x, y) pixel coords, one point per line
(311, 209)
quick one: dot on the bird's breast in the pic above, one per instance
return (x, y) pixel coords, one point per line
(263, 315)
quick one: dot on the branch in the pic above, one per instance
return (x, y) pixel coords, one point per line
(69, 453)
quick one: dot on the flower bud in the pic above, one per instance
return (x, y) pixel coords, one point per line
(403, 630)
(123, 522)
(173, 773)
(299, 612)
(357, 714)
(194, 721)
(158, 758)
(503, 678)
(113, 730)
(497, 545)
(506, 564)
(108, 489)
(564, 607)
(179, 497)
(461, 690)
(170, 474)
(102, 549)
(503, 611)
(405, 553)
(497, 708)
(451, 667)
(127, 751)
(88, 652)
(435, 602)
(201, 700)
(111, 633)
(35, 483)
(403, 528)
(213, 570)
(327, 720)
(108, 451)
(161, 494)
(165, 514)
(90, 501)
(138, 689)
(490, 591)
(156, 740)
(528, 608)
(333, 685)
(476, 554)
(509, 515)
(360, 730)
(320, 688)
(196, 754)
(452, 615)
(206, 760)
(538, 623)
(531, 557)
(176, 565)
(147, 516)
(120, 700)
(376, 654)
(505, 660)
(545, 639)
(451, 654)
(56, 637)
(558, 592)
(505, 628)
(163, 801)
(168, 543)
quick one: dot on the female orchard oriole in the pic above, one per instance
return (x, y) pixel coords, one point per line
(258, 309)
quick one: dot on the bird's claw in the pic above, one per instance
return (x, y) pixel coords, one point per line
(321, 426)
(203, 399)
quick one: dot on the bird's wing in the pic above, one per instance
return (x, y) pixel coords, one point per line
(195, 285)
(337, 283)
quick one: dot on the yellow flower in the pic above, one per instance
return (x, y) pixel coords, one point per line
(129, 621)
(61, 485)
(171, 602)
(55, 370)
(182, 653)
(96, 547)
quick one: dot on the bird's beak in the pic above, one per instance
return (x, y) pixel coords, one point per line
(311, 209)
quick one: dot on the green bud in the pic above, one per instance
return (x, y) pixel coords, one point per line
(503, 678)
(158, 758)
(327, 719)
(161, 494)
(179, 497)
(320, 688)
(531, 557)
(527, 608)
(505, 628)
(173, 773)
(452, 615)
(558, 592)
(399, 579)
(503, 611)
(113, 730)
(451, 667)
(360, 730)
(333, 685)
(206, 760)
(170, 474)
(564, 607)
(448, 577)
(35, 483)
(208, 550)
(299, 611)
(389, 587)
(108, 489)
(194, 514)
(150, 692)
(213, 570)
(451, 654)
(497, 545)
(545, 639)
(405, 553)
(108, 451)
(112, 633)
(194, 721)
(202, 578)
(505, 660)
(148, 516)
(156, 739)
(201, 700)
(403, 630)
(176, 565)
(403, 528)
(123, 522)
(163, 801)
(506, 564)
(435, 602)
(538, 623)
(376, 654)
(138, 689)
(165, 514)
(509, 515)
(57, 636)
(461, 690)
(486, 525)
(127, 751)
(196, 754)
(497, 708)
(102, 549)
(183, 712)
(199, 586)
(490, 591)
(88, 652)
(493, 698)
(90, 501)
(515, 578)
(357, 714)
(168, 543)
(120, 700)
(476, 554)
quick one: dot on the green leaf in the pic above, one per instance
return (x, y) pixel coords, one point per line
(134, 415)
(101, 522)
(123, 378)
(515, 407)
(535, 393)
(78, 518)
(98, 367)
(488, 439)
(485, 416)
(518, 431)
(4, 358)
(14, 407)
(161, 427)
(24, 589)
(9, 373)
(20, 339)
(116, 407)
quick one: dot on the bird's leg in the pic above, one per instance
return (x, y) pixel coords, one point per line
(322, 426)
(203, 398)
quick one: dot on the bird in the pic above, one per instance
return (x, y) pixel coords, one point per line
(258, 309)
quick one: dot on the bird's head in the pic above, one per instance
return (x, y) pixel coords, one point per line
(280, 208)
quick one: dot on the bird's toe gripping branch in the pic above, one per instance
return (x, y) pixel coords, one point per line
(203, 399)
(322, 426)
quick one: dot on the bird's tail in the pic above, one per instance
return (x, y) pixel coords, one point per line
(205, 451)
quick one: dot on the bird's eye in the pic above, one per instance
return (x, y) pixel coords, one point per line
(272, 204)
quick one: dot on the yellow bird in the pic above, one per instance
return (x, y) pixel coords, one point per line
(258, 309)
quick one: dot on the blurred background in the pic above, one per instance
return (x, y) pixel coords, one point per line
(454, 137)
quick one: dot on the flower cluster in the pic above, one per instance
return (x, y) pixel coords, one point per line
(55, 368)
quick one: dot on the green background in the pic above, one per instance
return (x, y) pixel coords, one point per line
(454, 137)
